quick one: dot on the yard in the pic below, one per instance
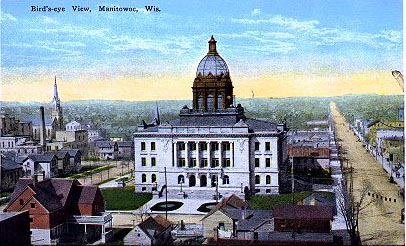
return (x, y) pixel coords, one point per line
(124, 198)
(267, 202)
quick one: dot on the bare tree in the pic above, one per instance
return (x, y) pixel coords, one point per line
(350, 206)
(143, 212)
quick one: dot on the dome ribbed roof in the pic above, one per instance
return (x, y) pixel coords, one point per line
(212, 63)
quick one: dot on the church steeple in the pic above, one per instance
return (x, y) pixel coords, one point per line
(56, 111)
(56, 101)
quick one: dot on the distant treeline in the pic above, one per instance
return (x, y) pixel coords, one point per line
(120, 118)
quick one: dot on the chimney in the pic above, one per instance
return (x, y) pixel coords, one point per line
(42, 136)
(35, 179)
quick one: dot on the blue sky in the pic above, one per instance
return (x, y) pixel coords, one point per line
(255, 38)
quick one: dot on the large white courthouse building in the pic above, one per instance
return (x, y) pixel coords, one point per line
(211, 148)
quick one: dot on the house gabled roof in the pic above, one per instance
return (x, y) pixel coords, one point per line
(87, 194)
(20, 187)
(73, 152)
(232, 201)
(51, 193)
(60, 154)
(46, 157)
(154, 226)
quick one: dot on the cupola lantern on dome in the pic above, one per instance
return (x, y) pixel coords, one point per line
(212, 46)
(212, 88)
(212, 63)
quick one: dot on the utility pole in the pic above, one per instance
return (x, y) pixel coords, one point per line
(293, 183)
(166, 195)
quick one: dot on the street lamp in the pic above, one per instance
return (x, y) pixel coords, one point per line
(181, 183)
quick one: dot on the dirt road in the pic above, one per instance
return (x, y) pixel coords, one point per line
(380, 222)
(118, 168)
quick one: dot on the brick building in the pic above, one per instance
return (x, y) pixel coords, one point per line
(61, 211)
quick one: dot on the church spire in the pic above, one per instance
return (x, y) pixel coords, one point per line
(55, 101)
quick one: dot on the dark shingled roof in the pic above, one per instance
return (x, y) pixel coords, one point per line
(46, 157)
(153, 226)
(51, 193)
(20, 187)
(261, 125)
(232, 201)
(60, 154)
(253, 219)
(36, 120)
(104, 144)
(8, 161)
(302, 212)
(73, 152)
(87, 194)
(125, 144)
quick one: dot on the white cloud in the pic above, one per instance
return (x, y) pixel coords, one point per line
(7, 17)
(47, 20)
(256, 12)
(176, 45)
(312, 33)
(74, 30)
(290, 23)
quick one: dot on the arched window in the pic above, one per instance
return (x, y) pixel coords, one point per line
(210, 102)
(181, 179)
(257, 179)
(192, 181)
(219, 101)
(268, 179)
(226, 180)
(200, 102)
(143, 178)
(153, 178)
(35, 133)
(203, 181)
(213, 181)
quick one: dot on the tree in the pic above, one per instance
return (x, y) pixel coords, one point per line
(143, 212)
(350, 207)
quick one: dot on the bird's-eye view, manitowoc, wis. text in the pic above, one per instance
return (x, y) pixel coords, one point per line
(188, 122)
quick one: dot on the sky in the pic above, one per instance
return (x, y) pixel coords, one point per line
(272, 48)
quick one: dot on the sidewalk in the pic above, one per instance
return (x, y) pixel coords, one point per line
(397, 175)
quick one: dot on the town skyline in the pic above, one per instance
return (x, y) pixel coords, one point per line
(272, 50)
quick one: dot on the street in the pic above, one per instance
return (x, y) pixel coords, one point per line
(379, 222)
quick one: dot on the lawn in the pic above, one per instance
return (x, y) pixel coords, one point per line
(124, 198)
(267, 202)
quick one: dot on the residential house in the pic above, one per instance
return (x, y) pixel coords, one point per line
(75, 159)
(61, 211)
(125, 149)
(379, 125)
(223, 217)
(41, 165)
(321, 199)
(15, 229)
(11, 171)
(107, 150)
(152, 231)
